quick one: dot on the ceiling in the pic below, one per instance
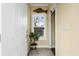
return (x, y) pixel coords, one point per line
(39, 4)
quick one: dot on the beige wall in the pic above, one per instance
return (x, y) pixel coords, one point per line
(42, 42)
(67, 29)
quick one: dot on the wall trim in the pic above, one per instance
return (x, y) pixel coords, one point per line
(43, 46)
(49, 18)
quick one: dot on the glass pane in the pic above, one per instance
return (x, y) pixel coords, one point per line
(38, 23)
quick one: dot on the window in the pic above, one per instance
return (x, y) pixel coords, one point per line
(38, 23)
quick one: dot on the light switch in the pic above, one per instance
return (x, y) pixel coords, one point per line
(67, 27)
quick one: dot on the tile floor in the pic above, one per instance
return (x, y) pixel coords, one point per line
(41, 52)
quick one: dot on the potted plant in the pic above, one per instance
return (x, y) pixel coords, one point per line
(34, 36)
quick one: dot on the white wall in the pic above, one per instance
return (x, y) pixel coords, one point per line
(0, 29)
(0, 18)
(14, 18)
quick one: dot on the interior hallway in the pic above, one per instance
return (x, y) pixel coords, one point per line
(15, 29)
(41, 52)
(43, 24)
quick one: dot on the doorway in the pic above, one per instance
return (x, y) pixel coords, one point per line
(53, 31)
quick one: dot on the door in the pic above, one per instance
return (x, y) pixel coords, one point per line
(53, 29)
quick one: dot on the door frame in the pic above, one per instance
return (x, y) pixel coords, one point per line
(49, 19)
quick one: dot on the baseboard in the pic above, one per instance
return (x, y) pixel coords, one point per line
(43, 46)
(28, 52)
(53, 50)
